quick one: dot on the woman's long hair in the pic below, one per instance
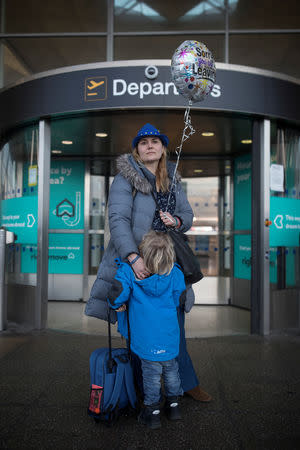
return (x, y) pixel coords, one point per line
(162, 178)
(157, 251)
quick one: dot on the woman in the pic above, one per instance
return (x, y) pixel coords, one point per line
(132, 213)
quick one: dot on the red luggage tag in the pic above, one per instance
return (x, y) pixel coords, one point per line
(95, 398)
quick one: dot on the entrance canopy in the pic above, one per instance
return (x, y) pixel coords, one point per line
(146, 84)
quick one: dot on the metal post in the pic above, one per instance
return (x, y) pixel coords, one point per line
(226, 31)
(221, 224)
(2, 280)
(41, 306)
(260, 283)
(110, 31)
(86, 245)
(231, 201)
(2, 30)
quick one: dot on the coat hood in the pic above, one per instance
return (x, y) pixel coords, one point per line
(155, 285)
(128, 167)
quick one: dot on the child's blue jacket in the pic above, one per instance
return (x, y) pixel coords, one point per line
(152, 311)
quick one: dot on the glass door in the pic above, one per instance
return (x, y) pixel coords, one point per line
(210, 236)
(100, 181)
(285, 228)
(18, 213)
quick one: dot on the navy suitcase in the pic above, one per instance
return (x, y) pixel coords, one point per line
(111, 382)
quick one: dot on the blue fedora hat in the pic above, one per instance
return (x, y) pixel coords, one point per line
(149, 130)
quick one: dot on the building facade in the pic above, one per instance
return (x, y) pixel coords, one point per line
(241, 168)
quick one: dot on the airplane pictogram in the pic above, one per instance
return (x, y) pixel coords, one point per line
(95, 88)
(94, 85)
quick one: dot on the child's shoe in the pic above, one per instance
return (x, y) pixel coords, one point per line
(150, 416)
(172, 408)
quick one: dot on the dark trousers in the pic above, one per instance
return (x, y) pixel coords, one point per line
(187, 372)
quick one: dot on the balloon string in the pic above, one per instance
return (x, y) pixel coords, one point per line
(188, 131)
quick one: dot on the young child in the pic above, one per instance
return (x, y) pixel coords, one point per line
(153, 323)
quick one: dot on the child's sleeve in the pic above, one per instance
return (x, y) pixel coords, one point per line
(120, 290)
(179, 285)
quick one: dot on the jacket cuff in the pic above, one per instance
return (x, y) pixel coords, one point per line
(182, 227)
(178, 222)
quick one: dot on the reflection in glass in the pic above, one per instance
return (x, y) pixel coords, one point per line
(291, 267)
(285, 151)
(97, 205)
(18, 182)
(263, 51)
(35, 16)
(17, 155)
(98, 213)
(123, 7)
(208, 8)
(14, 68)
(96, 252)
(206, 248)
(42, 54)
(97, 218)
(203, 196)
(153, 47)
(172, 15)
(257, 14)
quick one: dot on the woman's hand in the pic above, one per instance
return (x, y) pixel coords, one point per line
(121, 308)
(168, 219)
(140, 269)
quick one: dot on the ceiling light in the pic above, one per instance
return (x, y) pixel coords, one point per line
(198, 170)
(207, 133)
(246, 141)
(101, 134)
(67, 142)
(56, 151)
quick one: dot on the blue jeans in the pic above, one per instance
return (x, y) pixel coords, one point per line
(152, 372)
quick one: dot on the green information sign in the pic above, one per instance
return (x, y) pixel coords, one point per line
(285, 217)
(66, 195)
(242, 193)
(242, 256)
(242, 216)
(65, 254)
(20, 216)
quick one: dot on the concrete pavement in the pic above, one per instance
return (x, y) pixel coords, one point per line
(254, 381)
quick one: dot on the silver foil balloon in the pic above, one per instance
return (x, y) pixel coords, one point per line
(193, 70)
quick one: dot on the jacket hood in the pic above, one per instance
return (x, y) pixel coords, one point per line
(155, 285)
(130, 169)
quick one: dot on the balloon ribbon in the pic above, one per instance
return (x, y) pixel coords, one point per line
(188, 131)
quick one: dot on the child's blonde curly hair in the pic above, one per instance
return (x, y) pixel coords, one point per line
(157, 250)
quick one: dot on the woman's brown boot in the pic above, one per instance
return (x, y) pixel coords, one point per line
(198, 394)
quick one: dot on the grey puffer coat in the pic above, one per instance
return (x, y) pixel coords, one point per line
(131, 209)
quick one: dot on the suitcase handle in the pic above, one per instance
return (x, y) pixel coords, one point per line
(111, 363)
(118, 384)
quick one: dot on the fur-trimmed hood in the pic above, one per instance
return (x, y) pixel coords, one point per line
(130, 169)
